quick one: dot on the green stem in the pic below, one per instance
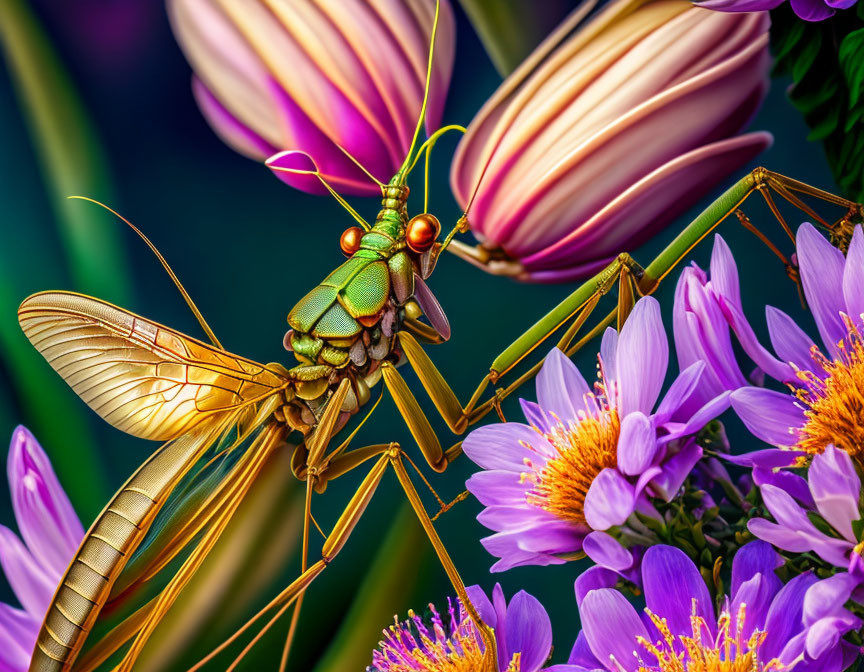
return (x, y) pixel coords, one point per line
(69, 154)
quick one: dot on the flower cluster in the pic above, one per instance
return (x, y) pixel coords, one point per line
(633, 472)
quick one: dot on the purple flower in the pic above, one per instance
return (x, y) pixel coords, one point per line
(452, 642)
(33, 567)
(314, 77)
(762, 625)
(809, 10)
(832, 493)
(587, 459)
(826, 403)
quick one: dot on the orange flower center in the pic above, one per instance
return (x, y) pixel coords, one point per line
(835, 404)
(585, 448)
(728, 652)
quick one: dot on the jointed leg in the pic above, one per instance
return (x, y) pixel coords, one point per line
(387, 455)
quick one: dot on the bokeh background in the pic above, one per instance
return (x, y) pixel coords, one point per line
(247, 247)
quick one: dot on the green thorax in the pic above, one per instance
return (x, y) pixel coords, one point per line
(381, 269)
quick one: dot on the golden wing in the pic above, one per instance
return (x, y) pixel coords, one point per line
(144, 378)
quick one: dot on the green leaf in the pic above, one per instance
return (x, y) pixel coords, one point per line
(806, 56)
(826, 62)
(858, 528)
(851, 55)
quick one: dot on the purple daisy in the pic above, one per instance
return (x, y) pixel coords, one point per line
(762, 624)
(452, 643)
(33, 567)
(832, 496)
(826, 403)
(587, 459)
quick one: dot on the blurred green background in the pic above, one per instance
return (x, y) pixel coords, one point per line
(240, 241)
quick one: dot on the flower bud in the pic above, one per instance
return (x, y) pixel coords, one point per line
(316, 77)
(593, 145)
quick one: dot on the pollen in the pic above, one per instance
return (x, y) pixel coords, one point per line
(585, 447)
(834, 404)
(432, 644)
(700, 651)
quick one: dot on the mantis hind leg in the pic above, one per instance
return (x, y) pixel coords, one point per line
(385, 456)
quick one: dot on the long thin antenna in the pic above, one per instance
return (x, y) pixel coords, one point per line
(357, 163)
(174, 278)
(422, 118)
(317, 173)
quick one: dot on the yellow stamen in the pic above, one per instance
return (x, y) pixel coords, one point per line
(585, 448)
(728, 652)
(835, 404)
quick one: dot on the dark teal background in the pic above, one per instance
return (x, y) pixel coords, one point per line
(247, 247)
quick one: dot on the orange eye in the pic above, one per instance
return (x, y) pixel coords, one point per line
(422, 232)
(350, 240)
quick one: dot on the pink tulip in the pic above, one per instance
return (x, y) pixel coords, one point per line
(33, 566)
(591, 149)
(317, 76)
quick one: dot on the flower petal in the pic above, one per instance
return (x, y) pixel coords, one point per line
(788, 339)
(610, 500)
(676, 469)
(504, 446)
(853, 275)
(44, 514)
(528, 631)
(642, 357)
(674, 588)
(18, 632)
(560, 387)
(784, 616)
(756, 557)
(637, 444)
(32, 585)
(496, 487)
(612, 626)
(769, 415)
(605, 551)
(592, 579)
(821, 267)
(836, 489)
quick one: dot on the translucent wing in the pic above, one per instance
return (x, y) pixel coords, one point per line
(144, 378)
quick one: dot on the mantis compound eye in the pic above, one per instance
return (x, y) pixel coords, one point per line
(350, 240)
(422, 232)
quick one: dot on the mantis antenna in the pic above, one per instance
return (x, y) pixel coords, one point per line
(427, 147)
(172, 275)
(403, 170)
(317, 173)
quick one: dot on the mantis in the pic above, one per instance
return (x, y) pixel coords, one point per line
(221, 415)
